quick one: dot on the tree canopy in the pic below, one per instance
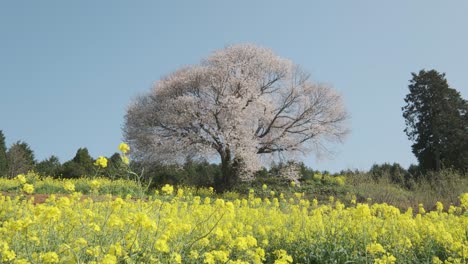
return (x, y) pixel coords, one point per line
(437, 122)
(20, 159)
(241, 104)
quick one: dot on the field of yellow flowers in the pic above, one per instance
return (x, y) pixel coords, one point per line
(177, 226)
(187, 225)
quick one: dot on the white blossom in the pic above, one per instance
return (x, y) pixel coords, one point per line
(241, 102)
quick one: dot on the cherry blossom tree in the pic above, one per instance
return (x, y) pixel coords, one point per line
(242, 104)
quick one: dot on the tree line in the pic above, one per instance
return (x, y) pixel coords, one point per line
(19, 159)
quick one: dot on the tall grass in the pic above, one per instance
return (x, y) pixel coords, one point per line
(444, 186)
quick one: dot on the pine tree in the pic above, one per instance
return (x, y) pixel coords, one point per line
(437, 122)
(80, 165)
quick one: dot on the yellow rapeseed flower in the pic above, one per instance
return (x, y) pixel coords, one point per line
(124, 148)
(50, 257)
(108, 259)
(176, 258)
(28, 188)
(101, 162)
(8, 255)
(161, 245)
(282, 257)
(69, 186)
(95, 184)
(125, 160)
(464, 200)
(421, 209)
(21, 178)
(375, 248)
(167, 189)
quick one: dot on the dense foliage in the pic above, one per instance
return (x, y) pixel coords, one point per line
(437, 122)
(20, 159)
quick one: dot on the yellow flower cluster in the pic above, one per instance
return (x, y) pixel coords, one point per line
(124, 148)
(26, 187)
(32, 183)
(181, 227)
(101, 162)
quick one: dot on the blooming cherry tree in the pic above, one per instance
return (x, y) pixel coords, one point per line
(242, 104)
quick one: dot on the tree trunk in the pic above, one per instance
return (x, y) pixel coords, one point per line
(437, 160)
(228, 171)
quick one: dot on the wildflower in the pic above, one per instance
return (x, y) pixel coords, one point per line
(8, 255)
(116, 250)
(167, 189)
(176, 258)
(315, 202)
(28, 188)
(109, 259)
(101, 162)
(94, 251)
(180, 192)
(293, 184)
(124, 148)
(81, 242)
(436, 260)
(421, 209)
(161, 245)
(69, 186)
(439, 206)
(21, 178)
(282, 257)
(209, 258)
(95, 184)
(194, 254)
(464, 200)
(50, 257)
(125, 160)
(340, 180)
(264, 187)
(375, 248)
(388, 259)
(52, 214)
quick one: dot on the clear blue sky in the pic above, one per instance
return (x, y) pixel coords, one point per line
(69, 69)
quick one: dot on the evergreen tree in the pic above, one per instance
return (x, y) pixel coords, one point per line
(3, 156)
(80, 165)
(49, 167)
(437, 122)
(115, 167)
